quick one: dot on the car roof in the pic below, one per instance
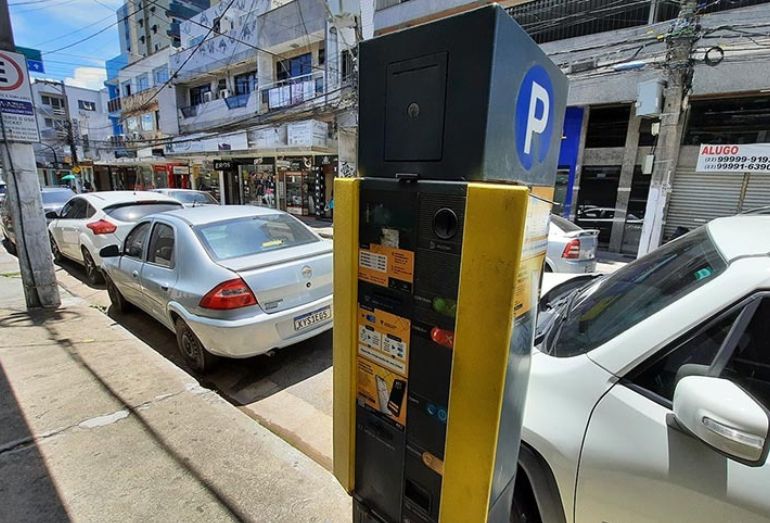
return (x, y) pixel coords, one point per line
(104, 198)
(217, 213)
(742, 235)
(56, 189)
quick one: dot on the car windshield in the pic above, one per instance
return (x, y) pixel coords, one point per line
(564, 225)
(616, 303)
(253, 235)
(50, 197)
(192, 197)
(132, 212)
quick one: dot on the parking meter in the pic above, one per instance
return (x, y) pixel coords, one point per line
(439, 247)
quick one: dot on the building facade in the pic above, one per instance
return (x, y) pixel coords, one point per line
(74, 130)
(615, 55)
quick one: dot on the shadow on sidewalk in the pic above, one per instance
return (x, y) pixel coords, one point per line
(27, 491)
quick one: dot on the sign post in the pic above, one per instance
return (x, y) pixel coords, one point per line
(18, 130)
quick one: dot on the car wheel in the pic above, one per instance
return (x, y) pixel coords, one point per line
(57, 256)
(93, 275)
(116, 298)
(193, 351)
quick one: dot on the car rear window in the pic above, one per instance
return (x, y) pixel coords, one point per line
(193, 197)
(136, 211)
(564, 225)
(253, 235)
(62, 196)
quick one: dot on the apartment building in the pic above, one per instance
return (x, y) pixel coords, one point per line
(69, 118)
(614, 55)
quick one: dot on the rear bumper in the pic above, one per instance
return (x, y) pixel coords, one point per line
(574, 266)
(255, 335)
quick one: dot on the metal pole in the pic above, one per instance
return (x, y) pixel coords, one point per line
(32, 244)
(679, 70)
(70, 134)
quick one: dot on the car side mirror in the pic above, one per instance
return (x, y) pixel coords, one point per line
(52, 215)
(722, 415)
(111, 251)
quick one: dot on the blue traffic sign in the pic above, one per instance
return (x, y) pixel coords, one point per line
(35, 66)
(34, 59)
(534, 117)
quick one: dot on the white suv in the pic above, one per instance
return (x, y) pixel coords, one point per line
(88, 222)
(650, 388)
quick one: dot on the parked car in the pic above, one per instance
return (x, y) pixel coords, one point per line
(602, 218)
(53, 199)
(94, 220)
(234, 281)
(649, 390)
(570, 248)
(188, 197)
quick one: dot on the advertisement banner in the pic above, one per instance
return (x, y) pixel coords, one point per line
(753, 157)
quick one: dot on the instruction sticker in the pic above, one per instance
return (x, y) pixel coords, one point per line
(380, 264)
(383, 338)
(533, 251)
(382, 390)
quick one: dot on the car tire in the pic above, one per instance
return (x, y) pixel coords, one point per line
(93, 274)
(57, 255)
(116, 298)
(194, 353)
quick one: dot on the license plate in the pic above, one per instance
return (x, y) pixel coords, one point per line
(311, 318)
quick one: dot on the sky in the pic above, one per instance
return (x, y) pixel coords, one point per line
(49, 25)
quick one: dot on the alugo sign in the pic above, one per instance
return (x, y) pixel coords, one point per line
(17, 112)
(734, 158)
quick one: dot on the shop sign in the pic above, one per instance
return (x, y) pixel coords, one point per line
(741, 158)
(16, 108)
(223, 165)
(180, 169)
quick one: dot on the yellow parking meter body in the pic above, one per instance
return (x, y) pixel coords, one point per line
(439, 246)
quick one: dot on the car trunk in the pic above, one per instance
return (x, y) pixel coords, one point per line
(286, 278)
(589, 242)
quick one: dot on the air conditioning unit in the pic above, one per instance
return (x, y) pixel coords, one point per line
(207, 97)
(224, 93)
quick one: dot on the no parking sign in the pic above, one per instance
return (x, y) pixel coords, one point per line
(17, 112)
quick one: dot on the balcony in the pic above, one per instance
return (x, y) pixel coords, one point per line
(114, 105)
(299, 22)
(196, 118)
(140, 101)
(294, 91)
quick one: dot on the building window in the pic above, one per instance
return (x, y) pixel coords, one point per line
(347, 64)
(126, 88)
(147, 122)
(198, 94)
(607, 126)
(293, 67)
(140, 22)
(85, 105)
(48, 122)
(46, 100)
(728, 121)
(245, 83)
(141, 39)
(154, 29)
(132, 124)
(160, 75)
(142, 82)
(322, 56)
(157, 120)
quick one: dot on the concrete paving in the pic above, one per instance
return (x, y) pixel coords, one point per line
(97, 426)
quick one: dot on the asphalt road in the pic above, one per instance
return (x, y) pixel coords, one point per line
(289, 393)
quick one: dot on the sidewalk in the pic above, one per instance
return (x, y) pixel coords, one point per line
(96, 426)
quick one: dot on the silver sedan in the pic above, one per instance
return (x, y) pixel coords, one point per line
(234, 281)
(570, 248)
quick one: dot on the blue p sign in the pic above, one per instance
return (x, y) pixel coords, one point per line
(534, 118)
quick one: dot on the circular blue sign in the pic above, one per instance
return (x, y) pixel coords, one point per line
(534, 117)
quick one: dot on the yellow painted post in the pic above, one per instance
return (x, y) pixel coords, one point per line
(493, 235)
(346, 198)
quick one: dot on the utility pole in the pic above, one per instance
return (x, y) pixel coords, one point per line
(679, 70)
(32, 244)
(68, 125)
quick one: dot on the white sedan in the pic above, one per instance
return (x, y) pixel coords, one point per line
(649, 390)
(88, 222)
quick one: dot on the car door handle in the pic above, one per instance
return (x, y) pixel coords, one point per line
(164, 286)
(135, 274)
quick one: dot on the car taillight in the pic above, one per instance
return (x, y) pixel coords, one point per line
(572, 250)
(232, 294)
(102, 227)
